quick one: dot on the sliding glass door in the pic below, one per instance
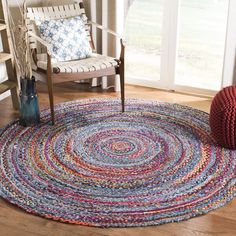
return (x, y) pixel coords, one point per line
(143, 33)
(177, 44)
(201, 45)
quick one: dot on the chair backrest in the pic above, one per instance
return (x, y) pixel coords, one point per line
(54, 12)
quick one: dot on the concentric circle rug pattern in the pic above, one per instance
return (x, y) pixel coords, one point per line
(156, 163)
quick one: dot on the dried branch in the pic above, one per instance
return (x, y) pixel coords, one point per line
(20, 40)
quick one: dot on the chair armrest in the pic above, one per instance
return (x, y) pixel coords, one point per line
(44, 43)
(122, 41)
(105, 29)
(48, 48)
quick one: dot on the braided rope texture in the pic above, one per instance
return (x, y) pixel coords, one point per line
(156, 163)
(223, 117)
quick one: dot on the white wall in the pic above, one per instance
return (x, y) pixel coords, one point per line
(229, 73)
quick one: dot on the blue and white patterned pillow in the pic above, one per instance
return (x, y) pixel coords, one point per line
(67, 37)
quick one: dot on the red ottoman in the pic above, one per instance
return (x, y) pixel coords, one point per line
(223, 117)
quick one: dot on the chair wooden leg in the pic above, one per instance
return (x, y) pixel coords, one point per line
(122, 73)
(51, 99)
(122, 86)
(50, 87)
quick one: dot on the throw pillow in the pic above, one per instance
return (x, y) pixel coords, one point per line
(67, 37)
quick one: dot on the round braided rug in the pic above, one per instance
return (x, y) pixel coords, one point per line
(153, 164)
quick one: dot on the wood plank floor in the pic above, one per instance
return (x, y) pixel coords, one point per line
(15, 222)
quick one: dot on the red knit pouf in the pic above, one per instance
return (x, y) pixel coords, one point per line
(223, 117)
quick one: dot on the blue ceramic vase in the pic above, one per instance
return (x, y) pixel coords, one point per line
(29, 107)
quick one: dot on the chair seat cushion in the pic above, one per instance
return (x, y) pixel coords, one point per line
(94, 63)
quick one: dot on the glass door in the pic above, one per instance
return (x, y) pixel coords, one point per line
(182, 45)
(201, 44)
(143, 33)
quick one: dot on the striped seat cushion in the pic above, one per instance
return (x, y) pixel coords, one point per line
(94, 63)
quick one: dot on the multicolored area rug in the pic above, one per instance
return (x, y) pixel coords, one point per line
(156, 163)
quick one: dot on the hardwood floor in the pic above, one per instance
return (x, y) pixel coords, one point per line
(15, 222)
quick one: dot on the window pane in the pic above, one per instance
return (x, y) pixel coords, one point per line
(143, 36)
(201, 43)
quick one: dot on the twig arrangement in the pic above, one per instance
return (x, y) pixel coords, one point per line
(20, 41)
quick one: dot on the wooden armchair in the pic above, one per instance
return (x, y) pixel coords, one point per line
(53, 73)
